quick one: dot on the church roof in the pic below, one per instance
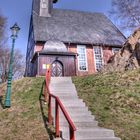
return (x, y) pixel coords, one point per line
(76, 27)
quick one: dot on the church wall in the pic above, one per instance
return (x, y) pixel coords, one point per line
(106, 52)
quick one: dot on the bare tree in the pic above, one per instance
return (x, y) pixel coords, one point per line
(128, 13)
(2, 43)
(2, 30)
(18, 63)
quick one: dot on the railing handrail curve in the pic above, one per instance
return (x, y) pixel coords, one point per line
(70, 122)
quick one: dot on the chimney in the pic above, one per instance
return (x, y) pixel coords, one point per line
(46, 7)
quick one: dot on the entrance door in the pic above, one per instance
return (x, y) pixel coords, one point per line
(56, 69)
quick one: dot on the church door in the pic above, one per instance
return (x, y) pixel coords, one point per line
(56, 69)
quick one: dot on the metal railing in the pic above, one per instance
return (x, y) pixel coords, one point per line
(58, 105)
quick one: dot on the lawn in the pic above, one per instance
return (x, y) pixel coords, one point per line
(114, 99)
(23, 121)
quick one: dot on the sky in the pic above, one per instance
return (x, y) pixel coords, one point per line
(20, 11)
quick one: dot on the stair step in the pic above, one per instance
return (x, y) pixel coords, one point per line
(76, 119)
(64, 86)
(79, 125)
(60, 93)
(84, 121)
(68, 97)
(62, 122)
(75, 113)
(89, 133)
(100, 138)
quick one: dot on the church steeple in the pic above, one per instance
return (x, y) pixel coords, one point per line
(43, 7)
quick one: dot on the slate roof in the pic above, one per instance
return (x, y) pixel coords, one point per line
(76, 27)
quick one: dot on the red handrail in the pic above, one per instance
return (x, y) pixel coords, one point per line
(58, 104)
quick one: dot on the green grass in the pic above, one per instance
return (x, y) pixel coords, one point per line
(114, 99)
(23, 121)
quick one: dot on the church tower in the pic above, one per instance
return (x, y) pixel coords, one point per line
(43, 7)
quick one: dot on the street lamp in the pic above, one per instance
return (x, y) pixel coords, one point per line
(14, 30)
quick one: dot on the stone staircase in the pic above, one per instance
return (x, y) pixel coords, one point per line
(86, 125)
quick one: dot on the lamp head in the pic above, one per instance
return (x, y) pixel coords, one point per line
(14, 29)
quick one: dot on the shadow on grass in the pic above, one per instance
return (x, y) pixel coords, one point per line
(44, 116)
(1, 102)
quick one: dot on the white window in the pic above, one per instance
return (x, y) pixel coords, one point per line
(82, 63)
(115, 50)
(98, 58)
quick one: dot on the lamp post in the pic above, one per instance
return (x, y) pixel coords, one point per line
(14, 30)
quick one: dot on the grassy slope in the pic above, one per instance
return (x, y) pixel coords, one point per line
(23, 121)
(115, 101)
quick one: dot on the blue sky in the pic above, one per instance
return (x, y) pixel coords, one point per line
(20, 11)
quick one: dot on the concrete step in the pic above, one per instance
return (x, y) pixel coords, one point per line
(75, 112)
(71, 92)
(89, 133)
(71, 104)
(83, 124)
(62, 122)
(63, 90)
(102, 138)
(60, 85)
(60, 80)
(78, 119)
(67, 97)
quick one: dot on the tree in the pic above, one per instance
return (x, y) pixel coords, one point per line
(18, 64)
(2, 30)
(2, 40)
(128, 13)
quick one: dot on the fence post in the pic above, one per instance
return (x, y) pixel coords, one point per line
(72, 137)
(57, 118)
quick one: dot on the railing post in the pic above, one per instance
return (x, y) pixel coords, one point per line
(48, 74)
(45, 92)
(72, 136)
(50, 111)
(57, 118)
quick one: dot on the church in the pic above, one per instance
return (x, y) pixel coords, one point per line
(73, 43)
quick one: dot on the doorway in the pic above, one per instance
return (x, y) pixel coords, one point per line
(56, 69)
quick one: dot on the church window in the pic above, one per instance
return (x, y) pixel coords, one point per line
(98, 58)
(82, 62)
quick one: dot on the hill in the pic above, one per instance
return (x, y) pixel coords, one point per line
(114, 99)
(23, 121)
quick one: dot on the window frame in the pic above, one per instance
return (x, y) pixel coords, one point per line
(101, 50)
(82, 46)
